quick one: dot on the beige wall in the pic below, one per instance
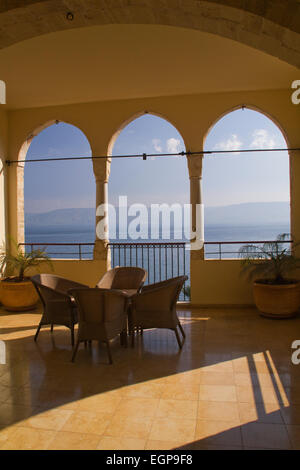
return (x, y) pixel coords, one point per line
(192, 115)
(3, 170)
(85, 271)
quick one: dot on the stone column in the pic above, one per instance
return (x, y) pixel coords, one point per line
(197, 211)
(3, 177)
(101, 170)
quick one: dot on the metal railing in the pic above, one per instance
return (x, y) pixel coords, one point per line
(79, 253)
(232, 248)
(161, 260)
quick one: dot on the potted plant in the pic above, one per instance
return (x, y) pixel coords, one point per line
(17, 291)
(275, 294)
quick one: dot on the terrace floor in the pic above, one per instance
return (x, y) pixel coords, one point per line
(233, 386)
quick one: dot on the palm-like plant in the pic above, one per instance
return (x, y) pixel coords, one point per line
(271, 261)
(18, 261)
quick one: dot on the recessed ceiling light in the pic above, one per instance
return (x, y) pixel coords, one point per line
(70, 16)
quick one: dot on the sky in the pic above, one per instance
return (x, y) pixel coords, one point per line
(227, 179)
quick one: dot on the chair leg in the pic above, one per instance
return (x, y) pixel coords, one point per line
(177, 337)
(52, 327)
(72, 335)
(109, 352)
(181, 329)
(75, 351)
(37, 331)
(125, 338)
(132, 337)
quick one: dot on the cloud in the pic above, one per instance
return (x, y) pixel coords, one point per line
(156, 144)
(232, 143)
(173, 145)
(261, 139)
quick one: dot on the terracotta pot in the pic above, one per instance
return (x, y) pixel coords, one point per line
(277, 301)
(18, 296)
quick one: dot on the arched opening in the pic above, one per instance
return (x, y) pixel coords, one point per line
(59, 196)
(246, 195)
(155, 190)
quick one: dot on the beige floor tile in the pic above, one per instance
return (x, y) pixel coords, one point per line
(162, 445)
(173, 429)
(222, 411)
(121, 443)
(225, 393)
(147, 397)
(64, 440)
(248, 394)
(223, 367)
(129, 426)
(89, 422)
(263, 413)
(218, 433)
(185, 378)
(217, 378)
(53, 419)
(102, 402)
(181, 391)
(142, 407)
(24, 438)
(145, 389)
(267, 436)
(177, 409)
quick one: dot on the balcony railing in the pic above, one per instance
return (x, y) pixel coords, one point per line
(161, 260)
(63, 250)
(230, 249)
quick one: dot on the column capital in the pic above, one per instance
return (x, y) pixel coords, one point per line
(195, 165)
(101, 167)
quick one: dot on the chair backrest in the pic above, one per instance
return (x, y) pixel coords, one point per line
(160, 296)
(53, 282)
(50, 286)
(127, 277)
(99, 306)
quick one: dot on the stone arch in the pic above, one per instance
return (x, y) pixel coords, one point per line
(284, 133)
(268, 26)
(132, 118)
(253, 108)
(20, 171)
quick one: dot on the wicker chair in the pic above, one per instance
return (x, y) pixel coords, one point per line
(155, 307)
(59, 308)
(129, 279)
(101, 316)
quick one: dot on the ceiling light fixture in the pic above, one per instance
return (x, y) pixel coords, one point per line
(70, 16)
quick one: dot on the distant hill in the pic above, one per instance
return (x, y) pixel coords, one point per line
(252, 213)
(256, 213)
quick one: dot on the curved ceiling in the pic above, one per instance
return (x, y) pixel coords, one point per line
(271, 26)
(133, 61)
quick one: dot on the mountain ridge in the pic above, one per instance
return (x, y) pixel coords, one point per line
(252, 213)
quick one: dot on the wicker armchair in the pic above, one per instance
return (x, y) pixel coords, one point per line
(129, 279)
(59, 308)
(155, 307)
(101, 316)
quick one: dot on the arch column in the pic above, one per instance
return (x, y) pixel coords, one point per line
(197, 211)
(101, 169)
(3, 177)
